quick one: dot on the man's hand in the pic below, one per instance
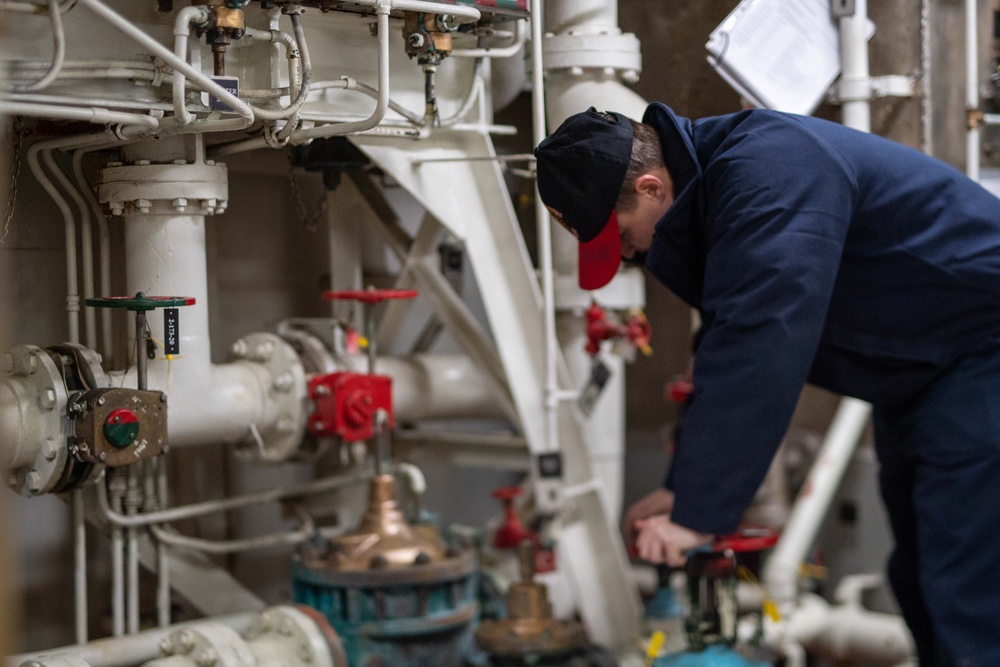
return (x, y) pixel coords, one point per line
(663, 541)
(660, 501)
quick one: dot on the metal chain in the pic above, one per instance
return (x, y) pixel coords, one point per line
(17, 132)
(309, 220)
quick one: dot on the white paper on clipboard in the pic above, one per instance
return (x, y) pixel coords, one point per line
(778, 54)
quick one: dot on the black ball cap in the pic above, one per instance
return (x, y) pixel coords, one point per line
(581, 169)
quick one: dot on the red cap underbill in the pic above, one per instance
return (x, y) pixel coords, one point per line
(599, 258)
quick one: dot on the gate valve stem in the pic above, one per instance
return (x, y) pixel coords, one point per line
(369, 298)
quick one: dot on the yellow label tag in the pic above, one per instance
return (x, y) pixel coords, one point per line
(771, 611)
(654, 647)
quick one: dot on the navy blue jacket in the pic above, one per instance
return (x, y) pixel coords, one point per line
(814, 253)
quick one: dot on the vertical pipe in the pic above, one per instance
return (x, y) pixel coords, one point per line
(162, 555)
(72, 296)
(782, 569)
(854, 59)
(116, 492)
(972, 137)
(80, 566)
(544, 235)
(132, 497)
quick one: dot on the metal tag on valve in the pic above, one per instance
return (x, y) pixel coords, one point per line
(171, 331)
(548, 479)
(600, 373)
(232, 85)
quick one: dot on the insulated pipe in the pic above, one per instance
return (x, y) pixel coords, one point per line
(972, 137)
(782, 569)
(208, 404)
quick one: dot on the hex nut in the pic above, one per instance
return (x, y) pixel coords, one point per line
(48, 399)
(7, 363)
(34, 482)
(240, 349)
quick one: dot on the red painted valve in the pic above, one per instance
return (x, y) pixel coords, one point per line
(512, 532)
(346, 404)
(635, 330)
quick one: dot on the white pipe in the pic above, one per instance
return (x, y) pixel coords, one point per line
(116, 518)
(440, 387)
(467, 14)
(544, 224)
(132, 600)
(80, 566)
(512, 49)
(855, 85)
(782, 568)
(58, 52)
(186, 17)
(181, 67)
(582, 16)
(32, 8)
(382, 8)
(224, 547)
(86, 243)
(781, 571)
(89, 115)
(972, 137)
(208, 404)
(104, 247)
(69, 224)
(162, 554)
(127, 651)
(115, 488)
(845, 632)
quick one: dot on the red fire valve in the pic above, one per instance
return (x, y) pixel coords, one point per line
(346, 404)
(635, 330)
(512, 532)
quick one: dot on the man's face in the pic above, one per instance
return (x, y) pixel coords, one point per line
(636, 225)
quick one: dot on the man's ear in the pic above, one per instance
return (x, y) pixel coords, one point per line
(651, 185)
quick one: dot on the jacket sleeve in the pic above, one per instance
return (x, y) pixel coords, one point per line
(777, 214)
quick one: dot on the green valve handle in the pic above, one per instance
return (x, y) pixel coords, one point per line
(140, 304)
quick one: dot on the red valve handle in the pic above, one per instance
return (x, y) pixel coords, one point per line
(506, 493)
(747, 539)
(369, 295)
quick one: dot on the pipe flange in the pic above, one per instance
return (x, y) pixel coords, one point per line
(287, 398)
(611, 53)
(301, 635)
(207, 645)
(176, 188)
(33, 398)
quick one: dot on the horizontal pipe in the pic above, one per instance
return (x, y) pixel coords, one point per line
(129, 650)
(225, 504)
(87, 115)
